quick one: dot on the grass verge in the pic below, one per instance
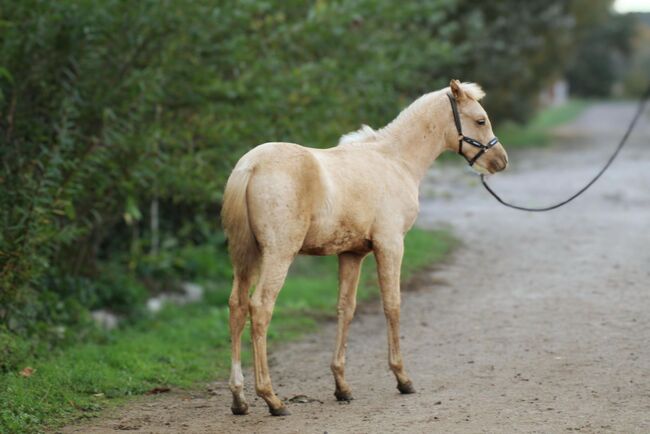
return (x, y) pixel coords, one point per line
(181, 346)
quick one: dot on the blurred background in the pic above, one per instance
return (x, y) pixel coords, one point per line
(120, 122)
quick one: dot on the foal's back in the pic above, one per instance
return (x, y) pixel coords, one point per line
(317, 201)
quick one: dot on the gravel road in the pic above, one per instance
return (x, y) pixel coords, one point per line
(539, 322)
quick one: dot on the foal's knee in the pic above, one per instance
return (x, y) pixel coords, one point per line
(391, 310)
(347, 312)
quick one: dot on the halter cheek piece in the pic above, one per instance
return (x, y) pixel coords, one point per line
(461, 138)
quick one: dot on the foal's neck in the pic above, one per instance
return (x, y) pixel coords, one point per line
(419, 133)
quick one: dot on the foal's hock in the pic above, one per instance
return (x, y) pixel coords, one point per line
(283, 199)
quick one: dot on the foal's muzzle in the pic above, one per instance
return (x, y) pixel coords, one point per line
(497, 164)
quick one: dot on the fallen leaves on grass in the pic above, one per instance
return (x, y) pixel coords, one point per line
(27, 372)
(158, 390)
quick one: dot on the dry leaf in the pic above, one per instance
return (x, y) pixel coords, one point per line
(157, 390)
(27, 372)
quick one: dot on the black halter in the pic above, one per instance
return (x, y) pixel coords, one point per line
(461, 138)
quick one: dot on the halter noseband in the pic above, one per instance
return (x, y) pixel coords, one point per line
(461, 138)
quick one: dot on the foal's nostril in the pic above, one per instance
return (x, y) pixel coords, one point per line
(498, 164)
(503, 162)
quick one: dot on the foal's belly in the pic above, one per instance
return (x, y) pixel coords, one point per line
(338, 241)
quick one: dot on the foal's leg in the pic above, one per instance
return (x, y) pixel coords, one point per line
(272, 275)
(389, 253)
(349, 270)
(238, 311)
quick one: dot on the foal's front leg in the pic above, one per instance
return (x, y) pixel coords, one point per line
(349, 270)
(388, 253)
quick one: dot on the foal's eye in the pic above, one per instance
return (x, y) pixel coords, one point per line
(481, 121)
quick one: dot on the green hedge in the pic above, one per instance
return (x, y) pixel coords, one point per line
(120, 120)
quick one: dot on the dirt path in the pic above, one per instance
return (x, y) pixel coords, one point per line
(542, 323)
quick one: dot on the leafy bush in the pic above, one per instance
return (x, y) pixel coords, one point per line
(601, 56)
(120, 121)
(13, 350)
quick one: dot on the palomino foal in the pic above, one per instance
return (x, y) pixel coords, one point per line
(361, 196)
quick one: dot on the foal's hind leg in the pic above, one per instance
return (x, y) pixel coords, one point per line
(238, 311)
(272, 276)
(349, 270)
(388, 252)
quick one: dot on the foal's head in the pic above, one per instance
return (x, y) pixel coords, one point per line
(472, 134)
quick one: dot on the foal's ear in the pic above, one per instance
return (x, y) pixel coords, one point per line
(456, 90)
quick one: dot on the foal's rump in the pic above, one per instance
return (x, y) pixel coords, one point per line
(270, 199)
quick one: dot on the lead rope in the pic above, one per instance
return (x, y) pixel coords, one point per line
(639, 111)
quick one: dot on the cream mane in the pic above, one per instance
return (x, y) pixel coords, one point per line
(363, 134)
(367, 134)
(472, 90)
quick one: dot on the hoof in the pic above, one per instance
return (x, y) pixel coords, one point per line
(281, 411)
(240, 410)
(406, 388)
(343, 396)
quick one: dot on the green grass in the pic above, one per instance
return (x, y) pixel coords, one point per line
(180, 347)
(537, 132)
